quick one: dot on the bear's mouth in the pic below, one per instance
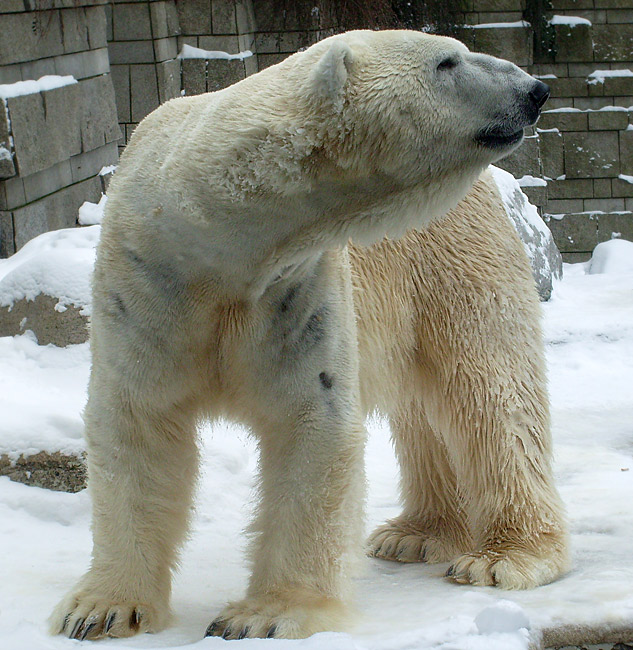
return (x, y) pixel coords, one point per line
(498, 138)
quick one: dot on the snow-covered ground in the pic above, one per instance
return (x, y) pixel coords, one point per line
(45, 539)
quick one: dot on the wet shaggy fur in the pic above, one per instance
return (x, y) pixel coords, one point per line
(223, 286)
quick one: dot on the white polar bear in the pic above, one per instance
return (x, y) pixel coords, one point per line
(223, 287)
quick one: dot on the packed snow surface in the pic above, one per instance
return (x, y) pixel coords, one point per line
(572, 21)
(191, 52)
(48, 82)
(45, 538)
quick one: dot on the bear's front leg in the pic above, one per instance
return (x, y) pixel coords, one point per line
(300, 396)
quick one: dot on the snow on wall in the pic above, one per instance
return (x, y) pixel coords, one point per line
(47, 82)
(191, 52)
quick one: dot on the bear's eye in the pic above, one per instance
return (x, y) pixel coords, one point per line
(447, 64)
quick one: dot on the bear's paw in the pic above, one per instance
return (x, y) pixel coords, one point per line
(509, 568)
(400, 540)
(289, 616)
(86, 616)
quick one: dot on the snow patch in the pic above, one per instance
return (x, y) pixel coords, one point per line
(108, 169)
(531, 181)
(47, 82)
(503, 616)
(624, 177)
(613, 256)
(191, 52)
(598, 76)
(571, 21)
(91, 214)
(518, 23)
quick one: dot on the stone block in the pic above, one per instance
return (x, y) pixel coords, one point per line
(602, 188)
(629, 204)
(591, 103)
(613, 42)
(222, 73)
(158, 17)
(10, 73)
(608, 120)
(194, 76)
(562, 5)
(618, 85)
(573, 43)
(223, 17)
(96, 62)
(99, 123)
(121, 82)
(165, 49)
(12, 193)
(524, 160)
(266, 60)
(596, 89)
(74, 30)
(109, 28)
(7, 244)
(168, 75)
(626, 102)
(552, 154)
(537, 195)
(173, 24)
(7, 167)
(570, 189)
(51, 471)
(267, 43)
(626, 151)
(621, 187)
(512, 43)
(615, 16)
(131, 52)
(564, 206)
(575, 232)
(143, 90)
(591, 155)
(37, 69)
(10, 6)
(90, 163)
(567, 87)
(54, 211)
(245, 17)
(194, 16)
(30, 36)
(71, 64)
(97, 27)
(47, 181)
(563, 120)
(620, 225)
(45, 127)
(603, 205)
(498, 5)
(131, 21)
(227, 43)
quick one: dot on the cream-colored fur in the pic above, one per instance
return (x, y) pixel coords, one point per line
(223, 287)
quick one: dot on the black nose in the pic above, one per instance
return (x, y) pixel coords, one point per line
(539, 93)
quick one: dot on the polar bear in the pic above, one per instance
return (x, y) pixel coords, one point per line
(224, 287)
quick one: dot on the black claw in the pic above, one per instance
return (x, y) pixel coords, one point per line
(136, 617)
(78, 623)
(244, 633)
(109, 622)
(271, 632)
(213, 627)
(450, 572)
(227, 633)
(65, 623)
(86, 631)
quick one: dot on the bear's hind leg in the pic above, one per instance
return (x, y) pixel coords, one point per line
(433, 526)
(142, 465)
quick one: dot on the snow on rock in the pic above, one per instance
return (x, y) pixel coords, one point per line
(503, 616)
(531, 181)
(539, 244)
(598, 76)
(91, 214)
(614, 256)
(191, 52)
(57, 263)
(571, 21)
(47, 82)
(518, 23)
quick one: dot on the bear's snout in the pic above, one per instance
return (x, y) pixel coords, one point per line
(539, 93)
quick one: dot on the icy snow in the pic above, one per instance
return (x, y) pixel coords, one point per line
(45, 538)
(572, 21)
(90, 213)
(47, 82)
(598, 76)
(191, 52)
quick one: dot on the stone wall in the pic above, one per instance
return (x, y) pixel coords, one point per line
(580, 158)
(53, 143)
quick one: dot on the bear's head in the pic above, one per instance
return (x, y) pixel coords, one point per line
(409, 114)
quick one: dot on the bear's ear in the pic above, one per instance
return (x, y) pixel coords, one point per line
(330, 74)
